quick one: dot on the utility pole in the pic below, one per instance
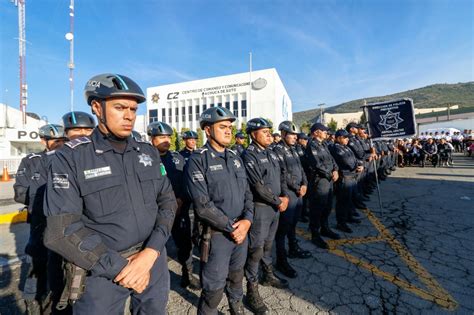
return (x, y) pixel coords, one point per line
(321, 112)
(249, 105)
(449, 110)
(70, 38)
(20, 4)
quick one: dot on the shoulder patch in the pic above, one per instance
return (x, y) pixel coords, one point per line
(34, 155)
(51, 152)
(74, 143)
(235, 153)
(200, 150)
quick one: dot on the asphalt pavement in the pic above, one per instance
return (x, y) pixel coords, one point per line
(412, 256)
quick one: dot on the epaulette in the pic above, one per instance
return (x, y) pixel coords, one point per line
(200, 150)
(235, 153)
(33, 155)
(74, 143)
(142, 141)
(51, 152)
(251, 148)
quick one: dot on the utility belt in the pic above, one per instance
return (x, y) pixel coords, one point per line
(75, 277)
(205, 232)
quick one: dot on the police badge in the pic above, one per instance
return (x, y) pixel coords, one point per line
(145, 159)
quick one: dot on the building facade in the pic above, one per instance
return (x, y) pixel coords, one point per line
(248, 95)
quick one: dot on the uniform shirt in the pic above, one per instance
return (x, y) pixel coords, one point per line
(299, 150)
(319, 159)
(174, 165)
(365, 143)
(290, 161)
(26, 175)
(356, 147)
(345, 159)
(217, 184)
(266, 177)
(238, 148)
(186, 153)
(120, 199)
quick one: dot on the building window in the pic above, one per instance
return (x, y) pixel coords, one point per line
(204, 107)
(176, 114)
(183, 114)
(244, 108)
(212, 105)
(170, 112)
(227, 105)
(163, 114)
(219, 104)
(190, 113)
(236, 108)
(197, 112)
(152, 115)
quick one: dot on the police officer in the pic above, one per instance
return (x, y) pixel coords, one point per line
(323, 172)
(238, 147)
(267, 180)
(29, 189)
(349, 166)
(160, 134)
(217, 183)
(190, 137)
(78, 124)
(302, 142)
(297, 187)
(110, 207)
(276, 137)
(359, 152)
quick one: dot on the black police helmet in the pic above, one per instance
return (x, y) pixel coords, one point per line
(78, 120)
(107, 85)
(288, 127)
(190, 134)
(240, 135)
(257, 124)
(159, 129)
(52, 131)
(215, 114)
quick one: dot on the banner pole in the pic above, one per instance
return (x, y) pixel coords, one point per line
(364, 108)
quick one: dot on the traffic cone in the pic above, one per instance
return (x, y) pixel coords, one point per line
(5, 176)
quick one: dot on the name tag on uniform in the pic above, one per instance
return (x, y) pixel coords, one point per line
(97, 172)
(60, 181)
(217, 167)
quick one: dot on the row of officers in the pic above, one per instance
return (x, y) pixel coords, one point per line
(102, 204)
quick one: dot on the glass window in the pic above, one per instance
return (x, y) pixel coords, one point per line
(176, 114)
(152, 115)
(183, 113)
(163, 114)
(212, 105)
(244, 108)
(227, 105)
(197, 112)
(236, 108)
(204, 107)
(190, 113)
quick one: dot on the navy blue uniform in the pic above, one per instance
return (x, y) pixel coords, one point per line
(181, 232)
(356, 145)
(238, 148)
(321, 164)
(295, 178)
(186, 153)
(220, 193)
(267, 180)
(347, 164)
(102, 200)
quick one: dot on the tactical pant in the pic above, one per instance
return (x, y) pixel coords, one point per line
(261, 236)
(287, 224)
(103, 296)
(224, 270)
(320, 202)
(181, 233)
(344, 203)
(56, 282)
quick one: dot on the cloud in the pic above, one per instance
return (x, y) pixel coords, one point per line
(157, 73)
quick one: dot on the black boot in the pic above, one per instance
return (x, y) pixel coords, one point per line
(269, 279)
(284, 267)
(253, 300)
(343, 227)
(188, 279)
(296, 251)
(318, 241)
(326, 231)
(236, 308)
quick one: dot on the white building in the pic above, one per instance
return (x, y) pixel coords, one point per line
(181, 104)
(17, 139)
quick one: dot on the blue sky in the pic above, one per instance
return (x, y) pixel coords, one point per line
(325, 51)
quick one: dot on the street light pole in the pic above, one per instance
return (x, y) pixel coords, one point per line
(321, 112)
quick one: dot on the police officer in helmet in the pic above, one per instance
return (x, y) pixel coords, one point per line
(78, 124)
(160, 134)
(190, 137)
(110, 207)
(217, 183)
(239, 143)
(270, 194)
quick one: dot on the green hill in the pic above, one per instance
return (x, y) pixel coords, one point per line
(436, 95)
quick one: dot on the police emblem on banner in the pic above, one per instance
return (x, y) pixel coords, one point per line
(145, 159)
(391, 119)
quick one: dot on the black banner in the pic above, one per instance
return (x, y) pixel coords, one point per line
(391, 119)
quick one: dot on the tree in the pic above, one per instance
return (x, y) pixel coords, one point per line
(200, 139)
(362, 119)
(174, 142)
(332, 125)
(305, 127)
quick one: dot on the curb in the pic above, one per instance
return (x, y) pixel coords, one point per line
(13, 217)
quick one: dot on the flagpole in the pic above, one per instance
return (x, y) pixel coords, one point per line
(364, 108)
